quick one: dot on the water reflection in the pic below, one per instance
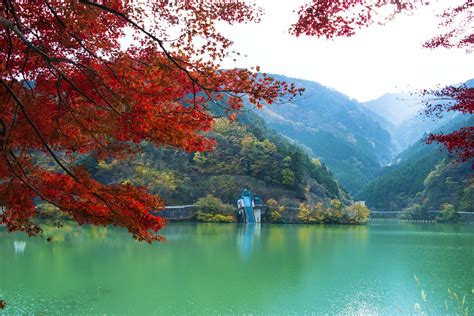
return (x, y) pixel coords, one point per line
(19, 246)
(247, 236)
(237, 269)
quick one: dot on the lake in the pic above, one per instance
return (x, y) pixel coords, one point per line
(240, 269)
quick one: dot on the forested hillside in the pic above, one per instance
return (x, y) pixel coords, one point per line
(248, 155)
(424, 178)
(351, 140)
(345, 135)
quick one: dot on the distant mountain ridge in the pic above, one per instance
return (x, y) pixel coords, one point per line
(355, 140)
(346, 136)
(396, 107)
(403, 116)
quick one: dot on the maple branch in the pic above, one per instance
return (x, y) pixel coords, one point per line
(10, 129)
(78, 65)
(15, 30)
(150, 35)
(71, 110)
(27, 183)
(232, 93)
(26, 180)
(37, 131)
(49, 60)
(43, 141)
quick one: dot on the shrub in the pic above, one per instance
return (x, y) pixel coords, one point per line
(336, 213)
(416, 211)
(448, 214)
(275, 209)
(362, 213)
(214, 218)
(310, 215)
(213, 205)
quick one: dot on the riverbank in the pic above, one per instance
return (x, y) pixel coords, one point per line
(212, 209)
(431, 216)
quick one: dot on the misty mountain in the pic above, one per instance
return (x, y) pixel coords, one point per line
(402, 114)
(412, 129)
(396, 107)
(346, 136)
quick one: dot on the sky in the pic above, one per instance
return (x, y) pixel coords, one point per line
(378, 60)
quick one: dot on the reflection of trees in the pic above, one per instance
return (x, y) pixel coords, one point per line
(70, 231)
(59, 235)
(212, 233)
(202, 265)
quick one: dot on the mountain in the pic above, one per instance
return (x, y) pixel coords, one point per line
(248, 154)
(424, 175)
(396, 107)
(402, 115)
(412, 129)
(343, 134)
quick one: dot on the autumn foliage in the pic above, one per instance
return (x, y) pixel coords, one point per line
(99, 77)
(460, 99)
(337, 18)
(69, 87)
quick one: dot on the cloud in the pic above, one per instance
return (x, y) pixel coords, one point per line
(377, 60)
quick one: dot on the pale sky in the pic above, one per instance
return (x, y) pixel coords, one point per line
(377, 60)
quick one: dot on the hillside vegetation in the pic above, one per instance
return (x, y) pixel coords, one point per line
(342, 133)
(248, 155)
(424, 179)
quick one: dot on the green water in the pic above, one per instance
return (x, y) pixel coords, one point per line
(238, 269)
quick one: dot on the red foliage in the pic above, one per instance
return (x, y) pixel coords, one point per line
(450, 99)
(459, 99)
(3, 304)
(458, 23)
(67, 87)
(460, 142)
(335, 18)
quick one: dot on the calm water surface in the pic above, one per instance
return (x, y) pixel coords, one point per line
(239, 269)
